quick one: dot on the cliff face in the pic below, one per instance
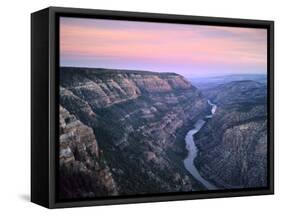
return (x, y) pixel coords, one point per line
(233, 145)
(102, 88)
(138, 120)
(83, 169)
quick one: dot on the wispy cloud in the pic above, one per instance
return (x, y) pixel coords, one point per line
(156, 46)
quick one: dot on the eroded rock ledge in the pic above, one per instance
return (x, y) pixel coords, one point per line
(139, 120)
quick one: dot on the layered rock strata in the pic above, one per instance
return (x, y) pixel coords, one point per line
(138, 120)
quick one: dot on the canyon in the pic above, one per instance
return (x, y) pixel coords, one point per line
(138, 120)
(122, 132)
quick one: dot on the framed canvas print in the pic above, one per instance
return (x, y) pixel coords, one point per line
(138, 107)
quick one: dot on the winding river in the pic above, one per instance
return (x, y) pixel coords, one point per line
(192, 150)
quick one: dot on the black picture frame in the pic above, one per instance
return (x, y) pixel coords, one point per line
(45, 97)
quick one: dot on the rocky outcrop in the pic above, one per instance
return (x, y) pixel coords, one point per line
(102, 88)
(233, 144)
(83, 169)
(139, 121)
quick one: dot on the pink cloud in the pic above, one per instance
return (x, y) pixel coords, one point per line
(180, 44)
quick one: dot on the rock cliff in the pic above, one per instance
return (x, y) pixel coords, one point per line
(83, 169)
(233, 144)
(137, 119)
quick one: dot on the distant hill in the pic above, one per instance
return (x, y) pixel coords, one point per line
(204, 83)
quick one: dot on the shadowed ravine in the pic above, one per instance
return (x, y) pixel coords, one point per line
(192, 150)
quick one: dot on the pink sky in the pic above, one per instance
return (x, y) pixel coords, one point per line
(191, 50)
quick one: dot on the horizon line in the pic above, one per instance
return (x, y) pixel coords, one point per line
(154, 71)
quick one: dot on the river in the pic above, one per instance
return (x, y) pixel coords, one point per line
(192, 149)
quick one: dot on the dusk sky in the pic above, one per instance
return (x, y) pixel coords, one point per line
(190, 50)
